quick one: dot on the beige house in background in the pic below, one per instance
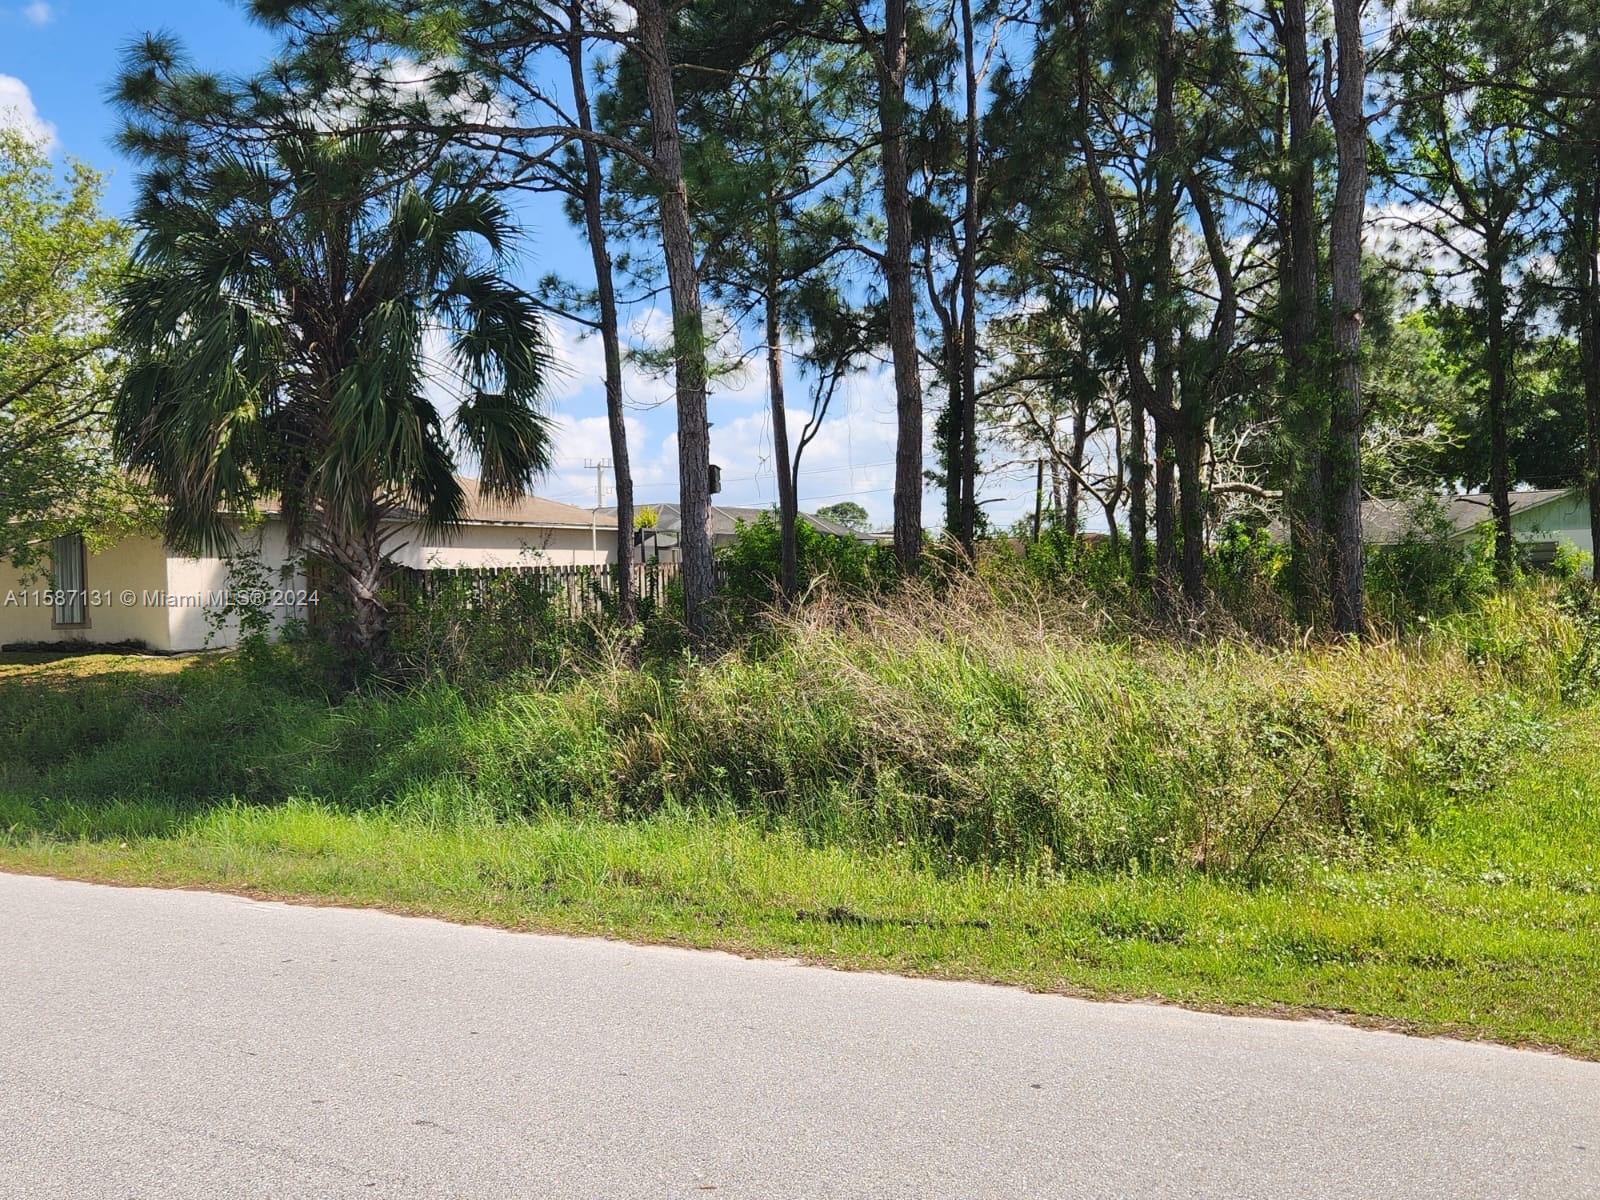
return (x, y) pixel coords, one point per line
(140, 591)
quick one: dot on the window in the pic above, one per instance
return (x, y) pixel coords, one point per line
(67, 581)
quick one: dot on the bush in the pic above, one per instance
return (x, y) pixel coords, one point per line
(977, 723)
(1061, 557)
(1427, 573)
(1246, 559)
(472, 626)
(751, 565)
(1570, 563)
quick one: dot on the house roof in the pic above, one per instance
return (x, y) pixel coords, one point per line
(725, 518)
(529, 510)
(1384, 522)
(479, 509)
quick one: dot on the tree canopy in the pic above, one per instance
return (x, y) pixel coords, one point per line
(1157, 266)
(59, 261)
(292, 311)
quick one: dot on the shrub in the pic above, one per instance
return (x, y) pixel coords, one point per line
(1427, 573)
(1061, 557)
(1570, 564)
(472, 626)
(751, 563)
(983, 721)
(1246, 558)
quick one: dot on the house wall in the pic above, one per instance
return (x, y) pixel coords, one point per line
(192, 580)
(1565, 519)
(195, 586)
(119, 581)
(509, 546)
(140, 592)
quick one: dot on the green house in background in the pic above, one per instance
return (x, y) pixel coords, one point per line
(1541, 520)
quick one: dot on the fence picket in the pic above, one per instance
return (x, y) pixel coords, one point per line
(581, 590)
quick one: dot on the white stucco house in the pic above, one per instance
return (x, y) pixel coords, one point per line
(140, 591)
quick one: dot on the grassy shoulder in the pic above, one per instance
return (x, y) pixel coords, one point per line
(1480, 925)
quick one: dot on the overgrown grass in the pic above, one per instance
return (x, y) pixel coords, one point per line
(947, 783)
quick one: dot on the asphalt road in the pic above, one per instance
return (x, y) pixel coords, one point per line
(185, 1044)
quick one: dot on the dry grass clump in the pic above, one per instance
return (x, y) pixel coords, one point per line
(977, 722)
(981, 725)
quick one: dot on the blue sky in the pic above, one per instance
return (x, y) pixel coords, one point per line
(57, 59)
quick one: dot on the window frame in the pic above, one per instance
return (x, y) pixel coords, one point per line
(83, 583)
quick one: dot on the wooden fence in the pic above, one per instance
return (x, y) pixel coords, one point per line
(580, 591)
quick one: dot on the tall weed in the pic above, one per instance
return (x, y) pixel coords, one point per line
(986, 720)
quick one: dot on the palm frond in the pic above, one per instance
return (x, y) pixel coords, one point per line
(274, 319)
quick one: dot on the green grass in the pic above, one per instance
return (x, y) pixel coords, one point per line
(1441, 881)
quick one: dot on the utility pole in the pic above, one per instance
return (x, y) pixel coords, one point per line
(600, 466)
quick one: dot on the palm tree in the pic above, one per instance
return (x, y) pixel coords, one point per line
(288, 316)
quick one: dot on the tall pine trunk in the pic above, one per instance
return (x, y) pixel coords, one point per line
(1199, 400)
(1163, 147)
(1166, 543)
(1585, 251)
(1306, 497)
(969, 295)
(688, 333)
(1345, 412)
(610, 330)
(955, 426)
(1080, 439)
(1138, 469)
(788, 507)
(1132, 323)
(891, 65)
(1188, 447)
(1498, 352)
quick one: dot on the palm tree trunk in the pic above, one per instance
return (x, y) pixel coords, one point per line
(369, 615)
(361, 571)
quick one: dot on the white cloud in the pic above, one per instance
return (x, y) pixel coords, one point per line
(581, 440)
(578, 402)
(38, 13)
(581, 370)
(399, 79)
(1418, 238)
(17, 112)
(404, 79)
